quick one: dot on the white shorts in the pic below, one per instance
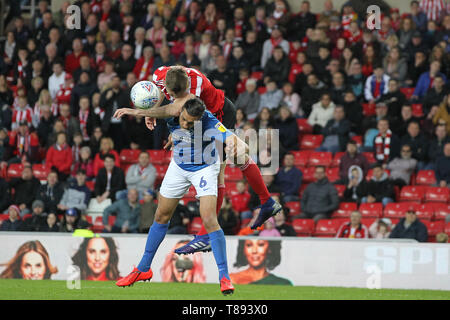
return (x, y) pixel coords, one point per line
(177, 181)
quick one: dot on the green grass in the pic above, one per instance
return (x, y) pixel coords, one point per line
(90, 290)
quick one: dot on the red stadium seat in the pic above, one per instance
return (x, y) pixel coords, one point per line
(333, 174)
(408, 92)
(111, 220)
(230, 188)
(425, 178)
(90, 185)
(301, 157)
(441, 210)
(98, 224)
(262, 90)
(371, 210)
(337, 159)
(191, 193)
(368, 221)
(4, 217)
(40, 171)
(89, 219)
(433, 228)
(370, 157)
(358, 140)
(412, 193)
(368, 109)
(15, 170)
(417, 110)
(128, 156)
(303, 126)
(340, 189)
(319, 158)
(195, 225)
(447, 228)
(308, 174)
(344, 210)
(437, 194)
(159, 156)
(233, 174)
(258, 75)
(425, 211)
(294, 207)
(303, 227)
(311, 141)
(397, 210)
(160, 173)
(327, 227)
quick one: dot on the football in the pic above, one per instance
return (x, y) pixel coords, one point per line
(144, 94)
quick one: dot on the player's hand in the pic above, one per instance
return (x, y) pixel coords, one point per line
(123, 111)
(169, 144)
(150, 123)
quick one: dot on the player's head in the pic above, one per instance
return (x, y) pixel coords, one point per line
(177, 81)
(192, 111)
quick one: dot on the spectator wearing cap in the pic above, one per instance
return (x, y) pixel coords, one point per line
(353, 229)
(426, 80)
(277, 66)
(376, 84)
(38, 217)
(380, 188)
(51, 192)
(128, 212)
(72, 220)
(410, 227)
(59, 156)
(276, 39)
(26, 187)
(148, 210)
(109, 180)
(442, 170)
(77, 195)
(13, 223)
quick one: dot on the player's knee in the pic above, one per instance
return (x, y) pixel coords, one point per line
(210, 222)
(161, 218)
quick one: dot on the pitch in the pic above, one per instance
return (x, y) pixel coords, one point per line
(91, 290)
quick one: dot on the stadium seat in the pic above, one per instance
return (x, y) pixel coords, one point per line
(15, 170)
(128, 156)
(337, 159)
(447, 228)
(319, 158)
(417, 110)
(40, 171)
(344, 210)
(90, 185)
(159, 156)
(396, 210)
(433, 228)
(303, 126)
(4, 217)
(262, 90)
(301, 157)
(294, 207)
(233, 174)
(327, 227)
(311, 141)
(441, 210)
(368, 221)
(358, 140)
(368, 109)
(308, 174)
(333, 174)
(303, 227)
(160, 172)
(437, 194)
(98, 226)
(340, 189)
(425, 178)
(195, 225)
(408, 92)
(89, 219)
(425, 211)
(230, 188)
(412, 193)
(258, 75)
(370, 157)
(371, 210)
(303, 187)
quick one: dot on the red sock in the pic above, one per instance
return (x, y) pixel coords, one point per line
(253, 175)
(220, 195)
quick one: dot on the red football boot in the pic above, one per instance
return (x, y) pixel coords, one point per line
(226, 287)
(135, 276)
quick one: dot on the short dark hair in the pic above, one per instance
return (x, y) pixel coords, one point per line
(176, 80)
(111, 156)
(273, 257)
(194, 107)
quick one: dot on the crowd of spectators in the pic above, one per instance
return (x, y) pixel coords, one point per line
(59, 88)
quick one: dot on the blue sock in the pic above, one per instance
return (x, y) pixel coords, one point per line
(219, 249)
(155, 236)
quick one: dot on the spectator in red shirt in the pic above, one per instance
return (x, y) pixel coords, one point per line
(106, 147)
(73, 60)
(65, 92)
(240, 201)
(59, 156)
(353, 229)
(143, 67)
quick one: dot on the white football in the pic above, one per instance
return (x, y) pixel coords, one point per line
(144, 94)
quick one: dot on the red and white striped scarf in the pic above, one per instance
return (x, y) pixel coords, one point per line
(84, 115)
(433, 9)
(383, 147)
